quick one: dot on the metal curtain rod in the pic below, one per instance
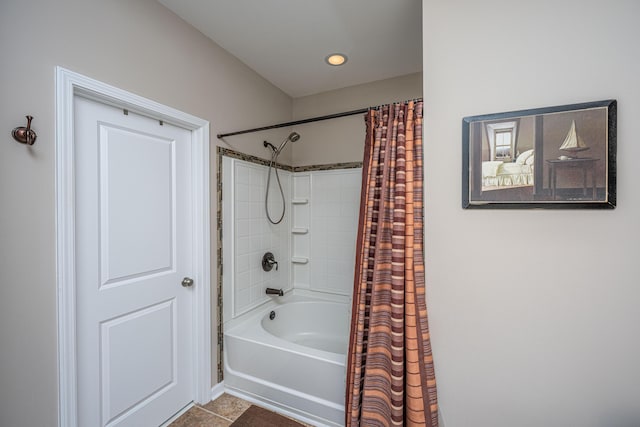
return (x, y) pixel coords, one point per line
(309, 120)
(296, 122)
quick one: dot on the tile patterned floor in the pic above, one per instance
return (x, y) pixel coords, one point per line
(218, 413)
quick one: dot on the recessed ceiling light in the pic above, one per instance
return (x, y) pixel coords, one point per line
(336, 59)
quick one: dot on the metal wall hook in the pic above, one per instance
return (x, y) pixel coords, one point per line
(25, 135)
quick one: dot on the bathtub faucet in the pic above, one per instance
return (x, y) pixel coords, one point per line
(272, 291)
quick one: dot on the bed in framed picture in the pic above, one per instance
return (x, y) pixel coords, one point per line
(497, 174)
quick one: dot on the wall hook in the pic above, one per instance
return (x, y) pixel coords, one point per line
(25, 135)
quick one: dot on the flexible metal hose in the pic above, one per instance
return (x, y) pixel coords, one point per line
(274, 159)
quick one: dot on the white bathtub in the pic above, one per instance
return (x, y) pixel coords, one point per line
(295, 362)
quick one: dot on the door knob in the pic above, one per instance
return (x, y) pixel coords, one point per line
(187, 282)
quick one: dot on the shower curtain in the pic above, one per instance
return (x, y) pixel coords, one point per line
(390, 375)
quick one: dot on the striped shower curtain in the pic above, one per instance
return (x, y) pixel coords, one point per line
(390, 376)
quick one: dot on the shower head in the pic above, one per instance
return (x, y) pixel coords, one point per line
(293, 137)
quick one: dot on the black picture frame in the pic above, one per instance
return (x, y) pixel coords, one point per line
(561, 157)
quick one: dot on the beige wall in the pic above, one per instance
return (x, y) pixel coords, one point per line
(553, 340)
(138, 46)
(342, 140)
(534, 314)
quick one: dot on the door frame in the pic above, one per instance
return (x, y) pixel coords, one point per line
(69, 85)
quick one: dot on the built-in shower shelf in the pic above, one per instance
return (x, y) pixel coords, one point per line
(299, 260)
(299, 230)
(300, 201)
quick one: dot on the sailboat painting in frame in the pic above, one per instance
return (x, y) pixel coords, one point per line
(561, 157)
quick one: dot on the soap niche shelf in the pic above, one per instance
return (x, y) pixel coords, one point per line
(300, 201)
(299, 260)
(299, 230)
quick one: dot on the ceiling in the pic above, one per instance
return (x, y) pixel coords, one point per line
(286, 41)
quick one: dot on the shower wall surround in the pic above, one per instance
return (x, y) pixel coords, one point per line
(301, 221)
(314, 244)
(331, 216)
(248, 235)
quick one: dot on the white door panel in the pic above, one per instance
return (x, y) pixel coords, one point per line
(137, 209)
(133, 248)
(127, 344)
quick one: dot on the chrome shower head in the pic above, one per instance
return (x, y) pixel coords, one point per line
(293, 137)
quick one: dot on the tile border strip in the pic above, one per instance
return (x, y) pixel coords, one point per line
(328, 167)
(249, 158)
(260, 161)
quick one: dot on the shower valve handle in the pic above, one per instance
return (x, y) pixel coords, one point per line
(268, 261)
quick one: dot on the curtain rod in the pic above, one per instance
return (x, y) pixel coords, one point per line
(309, 120)
(296, 122)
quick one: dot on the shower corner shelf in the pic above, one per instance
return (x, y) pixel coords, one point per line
(299, 230)
(300, 201)
(299, 260)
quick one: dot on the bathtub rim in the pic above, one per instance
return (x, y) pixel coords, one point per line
(293, 295)
(252, 330)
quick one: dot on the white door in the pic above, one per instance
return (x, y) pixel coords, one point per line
(133, 249)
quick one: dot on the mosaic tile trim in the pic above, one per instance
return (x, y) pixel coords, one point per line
(249, 158)
(257, 160)
(219, 332)
(328, 167)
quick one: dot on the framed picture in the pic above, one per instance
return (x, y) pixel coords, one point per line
(560, 157)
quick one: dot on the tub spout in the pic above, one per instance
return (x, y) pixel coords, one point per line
(272, 291)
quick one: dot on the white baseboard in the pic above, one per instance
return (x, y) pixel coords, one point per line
(217, 390)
